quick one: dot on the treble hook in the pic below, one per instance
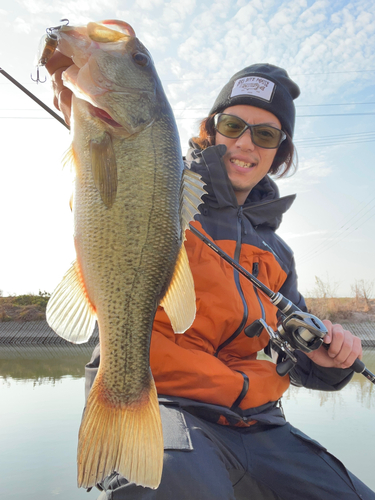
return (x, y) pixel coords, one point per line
(64, 22)
(37, 80)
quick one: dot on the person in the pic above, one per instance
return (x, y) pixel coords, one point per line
(225, 435)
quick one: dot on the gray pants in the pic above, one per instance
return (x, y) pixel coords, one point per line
(207, 461)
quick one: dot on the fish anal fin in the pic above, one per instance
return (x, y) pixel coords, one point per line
(118, 437)
(179, 300)
(104, 169)
(69, 312)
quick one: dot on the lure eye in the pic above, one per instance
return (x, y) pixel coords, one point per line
(141, 59)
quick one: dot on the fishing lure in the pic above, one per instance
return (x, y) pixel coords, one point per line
(47, 48)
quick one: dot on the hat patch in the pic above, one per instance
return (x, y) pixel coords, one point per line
(254, 86)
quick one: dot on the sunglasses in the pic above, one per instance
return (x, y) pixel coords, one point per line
(233, 127)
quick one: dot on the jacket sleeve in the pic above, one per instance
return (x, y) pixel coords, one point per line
(306, 373)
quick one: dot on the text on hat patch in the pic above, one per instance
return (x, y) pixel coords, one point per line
(254, 86)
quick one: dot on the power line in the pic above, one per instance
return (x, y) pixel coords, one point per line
(335, 242)
(226, 79)
(199, 117)
(340, 233)
(322, 247)
(208, 107)
(335, 136)
(336, 114)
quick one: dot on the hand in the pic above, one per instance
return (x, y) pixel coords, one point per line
(62, 95)
(344, 348)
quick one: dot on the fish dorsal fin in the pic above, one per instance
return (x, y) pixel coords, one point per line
(104, 169)
(69, 312)
(192, 191)
(179, 301)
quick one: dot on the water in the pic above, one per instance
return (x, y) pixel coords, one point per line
(42, 395)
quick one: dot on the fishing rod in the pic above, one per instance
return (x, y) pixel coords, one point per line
(34, 98)
(298, 330)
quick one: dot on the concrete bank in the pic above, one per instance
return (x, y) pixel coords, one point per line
(35, 332)
(38, 332)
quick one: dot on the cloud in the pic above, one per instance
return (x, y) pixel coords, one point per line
(311, 171)
(21, 26)
(149, 4)
(70, 7)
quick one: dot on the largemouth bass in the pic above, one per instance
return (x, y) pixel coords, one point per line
(132, 203)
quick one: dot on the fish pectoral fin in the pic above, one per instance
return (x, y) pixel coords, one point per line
(179, 300)
(104, 168)
(192, 191)
(69, 312)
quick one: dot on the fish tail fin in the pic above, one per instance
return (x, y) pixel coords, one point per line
(126, 438)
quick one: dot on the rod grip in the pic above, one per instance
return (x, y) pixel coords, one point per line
(358, 366)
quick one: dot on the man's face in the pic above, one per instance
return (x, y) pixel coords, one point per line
(246, 163)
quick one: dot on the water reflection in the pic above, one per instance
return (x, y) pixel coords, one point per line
(341, 421)
(43, 364)
(42, 396)
(363, 388)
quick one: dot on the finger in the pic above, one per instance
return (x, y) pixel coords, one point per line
(57, 85)
(356, 352)
(345, 351)
(337, 339)
(58, 61)
(65, 103)
(328, 336)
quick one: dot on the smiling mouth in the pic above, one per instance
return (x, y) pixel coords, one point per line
(242, 164)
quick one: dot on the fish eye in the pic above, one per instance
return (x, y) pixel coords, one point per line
(141, 59)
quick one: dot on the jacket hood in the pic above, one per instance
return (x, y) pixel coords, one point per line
(263, 206)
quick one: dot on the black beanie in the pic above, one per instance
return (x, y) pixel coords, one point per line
(264, 86)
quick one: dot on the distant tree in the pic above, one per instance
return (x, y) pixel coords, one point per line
(363, 290)
(324, 289)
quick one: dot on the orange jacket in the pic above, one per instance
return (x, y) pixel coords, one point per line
(214, 361)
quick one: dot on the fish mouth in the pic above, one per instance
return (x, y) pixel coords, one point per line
(104, 116)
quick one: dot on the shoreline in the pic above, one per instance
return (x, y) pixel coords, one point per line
(38, 332)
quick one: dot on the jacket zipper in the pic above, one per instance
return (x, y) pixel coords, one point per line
(255, 273)
(272, 251)
(237, 253)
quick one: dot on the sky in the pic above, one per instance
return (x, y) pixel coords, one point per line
(327, 47)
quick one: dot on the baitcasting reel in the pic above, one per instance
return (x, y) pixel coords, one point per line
(300, 330)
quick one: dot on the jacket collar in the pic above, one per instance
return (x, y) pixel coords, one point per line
(263, 205)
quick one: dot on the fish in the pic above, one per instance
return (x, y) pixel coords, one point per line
(132, 202)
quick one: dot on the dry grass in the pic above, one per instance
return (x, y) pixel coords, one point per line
(338, 310)
(24, 307)
(342, 309)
